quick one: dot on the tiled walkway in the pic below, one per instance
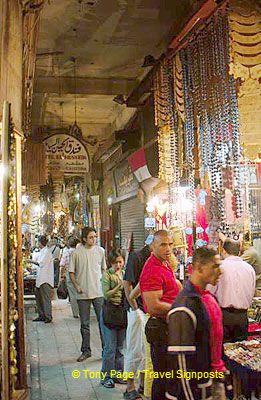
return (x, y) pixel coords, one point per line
(53, 350)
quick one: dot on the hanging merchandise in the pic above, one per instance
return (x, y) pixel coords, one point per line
(166, 118)
(245, 65)
(178, 86)
(211, 123)
(169, 111)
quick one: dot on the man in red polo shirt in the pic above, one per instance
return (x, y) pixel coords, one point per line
(159, 289)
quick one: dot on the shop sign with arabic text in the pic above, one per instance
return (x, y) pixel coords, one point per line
(67, 154)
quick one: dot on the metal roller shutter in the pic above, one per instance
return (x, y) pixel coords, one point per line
(132, 221)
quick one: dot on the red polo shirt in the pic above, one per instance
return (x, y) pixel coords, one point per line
(158, 276)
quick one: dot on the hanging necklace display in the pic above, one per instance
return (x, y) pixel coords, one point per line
(210, 115)
(209, 94)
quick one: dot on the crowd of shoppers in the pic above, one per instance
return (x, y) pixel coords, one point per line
(185, 326)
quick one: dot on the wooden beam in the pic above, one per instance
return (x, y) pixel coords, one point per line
(84, 85)
(139, 94)
(206, 10)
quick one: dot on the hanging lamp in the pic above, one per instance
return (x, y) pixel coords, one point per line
(74, 129)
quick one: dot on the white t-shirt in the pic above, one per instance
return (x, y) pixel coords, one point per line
(88, 264)
(56, 251)
(45, 270)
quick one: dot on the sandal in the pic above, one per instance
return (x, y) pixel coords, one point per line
(132, 395)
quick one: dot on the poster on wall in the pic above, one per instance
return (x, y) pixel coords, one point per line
(66, 154)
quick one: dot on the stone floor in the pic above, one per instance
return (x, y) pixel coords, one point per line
(52, 351)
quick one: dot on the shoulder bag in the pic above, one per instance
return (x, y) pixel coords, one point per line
(114, 316)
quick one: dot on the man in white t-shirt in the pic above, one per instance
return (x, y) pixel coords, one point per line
(44, 281)
(86, 267)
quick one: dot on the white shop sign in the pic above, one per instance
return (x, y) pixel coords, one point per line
(67, 154)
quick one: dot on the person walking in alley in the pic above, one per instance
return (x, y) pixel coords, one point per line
(195, 331)
(65, 275)
(159, 289)
(44, 281)
(234, 292)
(86, 267)
(135, 343)
(251, 256)
(113, 320)
(56, 254)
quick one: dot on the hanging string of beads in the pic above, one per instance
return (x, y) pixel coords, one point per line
(209, 93)
(12, 249)
(210, 114)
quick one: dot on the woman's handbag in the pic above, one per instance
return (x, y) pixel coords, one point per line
(62, 291)
(114, 316)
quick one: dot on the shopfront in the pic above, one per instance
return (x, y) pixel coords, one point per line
(209, 155)
(57, 185)
(131, 206)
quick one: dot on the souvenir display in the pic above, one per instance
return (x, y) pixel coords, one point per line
(246, 353)
(194, 91)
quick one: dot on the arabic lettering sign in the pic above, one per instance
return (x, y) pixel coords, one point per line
(125, 180)
(67, 154)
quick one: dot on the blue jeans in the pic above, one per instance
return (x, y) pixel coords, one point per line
(84, 312)
(112, 357)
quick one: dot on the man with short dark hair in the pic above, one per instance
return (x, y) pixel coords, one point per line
(195, 332)
(134, 361)
(159, 289)
(44, 281)
(87, 264)
(234, 292)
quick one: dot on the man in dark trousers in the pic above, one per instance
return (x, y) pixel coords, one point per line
(234, 292)
(195, 332)
(44, 281)
(159, 289)
(87, 263)
(135, 345)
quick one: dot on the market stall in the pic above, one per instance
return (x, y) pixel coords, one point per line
(207, 155)
(244, 361)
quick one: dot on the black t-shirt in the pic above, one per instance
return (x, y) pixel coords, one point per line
(133, 270)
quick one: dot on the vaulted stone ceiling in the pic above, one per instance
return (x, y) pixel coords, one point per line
(108, 39)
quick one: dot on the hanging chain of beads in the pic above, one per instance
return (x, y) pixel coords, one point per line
(166, 118)
(12, 248)
(211, 130)
(209, 93)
